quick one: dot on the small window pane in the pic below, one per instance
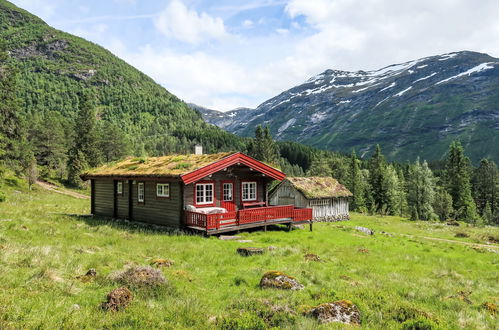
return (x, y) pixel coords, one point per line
(140, 192)
(163, 190)
(119, 187)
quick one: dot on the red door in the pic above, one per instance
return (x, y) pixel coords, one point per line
(228, 201)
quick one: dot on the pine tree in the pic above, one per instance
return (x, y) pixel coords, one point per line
(421, 191)
(457, 179)
(356, 185)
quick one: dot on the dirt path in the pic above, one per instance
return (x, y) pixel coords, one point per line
(454, 241)
(54, 188)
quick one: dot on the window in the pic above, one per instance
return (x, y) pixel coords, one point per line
(204, 193)
(140, 192)
(163, 190)
(249, 191)
(227, 192)
(119, 187)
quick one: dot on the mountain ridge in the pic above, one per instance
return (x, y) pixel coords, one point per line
(411, 109)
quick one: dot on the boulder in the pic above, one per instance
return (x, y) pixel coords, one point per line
(162, 262)
(365, 230)
(249, 251)
(452, 223)
(117, 300)
(312, 257)
(279, 280)
(244, 241)
(363, 250)
(343, 311)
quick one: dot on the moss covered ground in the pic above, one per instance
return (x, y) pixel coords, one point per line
(395, 280)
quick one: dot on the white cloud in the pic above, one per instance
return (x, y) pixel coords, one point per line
(179, 22)
(41, 8)
(247, 23)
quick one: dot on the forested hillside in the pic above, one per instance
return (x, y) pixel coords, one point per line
(52, 72)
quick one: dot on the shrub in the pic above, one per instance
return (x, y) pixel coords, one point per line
(141, 277)
(244, 321)
(419, 324)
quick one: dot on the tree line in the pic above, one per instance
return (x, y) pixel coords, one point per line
(457, 190)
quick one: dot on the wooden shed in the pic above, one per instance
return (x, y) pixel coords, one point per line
(212, 193)
(325, 195)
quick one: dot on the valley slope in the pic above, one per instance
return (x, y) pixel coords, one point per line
(411, 109)
(54, 67)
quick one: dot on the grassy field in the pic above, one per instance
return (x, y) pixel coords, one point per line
(394, 280)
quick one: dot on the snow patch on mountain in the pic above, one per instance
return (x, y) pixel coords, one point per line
(424, 78)
(478, 68)
(286, 125)
(403, 92)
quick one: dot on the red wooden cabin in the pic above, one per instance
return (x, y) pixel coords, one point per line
(208, 193)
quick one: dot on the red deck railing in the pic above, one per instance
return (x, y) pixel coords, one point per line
(246, 216)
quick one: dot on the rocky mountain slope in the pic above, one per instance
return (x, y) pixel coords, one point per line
(411, 109)
(54, 67)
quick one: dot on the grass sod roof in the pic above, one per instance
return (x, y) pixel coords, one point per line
(164, 166)
(319, 187)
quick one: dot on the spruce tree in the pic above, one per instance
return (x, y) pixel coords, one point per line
(443, 204)
(486, 185)
(421, 191)
(377, 165)
(263, 147)
(356, 185)
(320, 166)
(76, 165)
(86, 135)
(457, 179)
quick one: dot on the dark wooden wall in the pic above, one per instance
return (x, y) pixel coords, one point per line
(167, 212)
(104, 202)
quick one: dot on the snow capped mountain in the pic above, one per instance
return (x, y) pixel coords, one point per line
(411, 109)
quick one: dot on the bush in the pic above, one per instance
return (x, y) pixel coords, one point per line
(3, 197)
(244, 321)
(419, 324)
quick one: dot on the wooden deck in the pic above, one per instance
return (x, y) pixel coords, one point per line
(212, 224)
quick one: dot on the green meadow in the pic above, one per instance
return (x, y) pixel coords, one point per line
(398, 279)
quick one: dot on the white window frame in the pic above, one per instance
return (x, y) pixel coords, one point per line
(246, 190)
(119, 187)
(204, 196)
(229, 191)
(163, 190)
(141, 192)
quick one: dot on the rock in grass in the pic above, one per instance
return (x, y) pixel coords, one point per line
(452, 223)
(228, 238)
(363, 250)
(365, 230)
(162, 262)
(343, 311)
(312, 257)
(88, 276)
(279, 280)
(140, 277)
(249, 251)
(118, 299)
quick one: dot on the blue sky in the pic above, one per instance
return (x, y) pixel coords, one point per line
(226, 54)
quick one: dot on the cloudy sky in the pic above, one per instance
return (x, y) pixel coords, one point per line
(225, 54)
